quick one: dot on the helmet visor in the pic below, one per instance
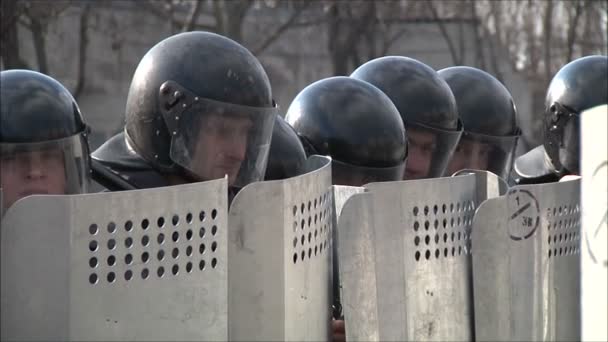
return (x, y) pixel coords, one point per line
(562, 126)
(354, 175)
(49, 167)
(429, 150)
(211, 139)
(484, 152)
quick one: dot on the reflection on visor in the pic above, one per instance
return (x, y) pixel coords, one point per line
(429, 150)
(484, 152)
(353, 175)
(211, 139)
(562, 126)
(51, 167)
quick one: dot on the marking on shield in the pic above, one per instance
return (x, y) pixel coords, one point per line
(524, 221)
(591, 240)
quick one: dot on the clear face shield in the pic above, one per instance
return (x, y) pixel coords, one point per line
(353, 175)
(430, 150)
(484, 152)
(53, 167)
(211, 139)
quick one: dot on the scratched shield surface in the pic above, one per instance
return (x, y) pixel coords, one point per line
(405, 260)
(526, 254)
(280, 248)
(594, 254)
(131, 265)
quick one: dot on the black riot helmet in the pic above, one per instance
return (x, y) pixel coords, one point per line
(427, 107)
(200, 105)
(577, 86)
(488, 114)
(40, 127)
(356, 124)
(286, 156)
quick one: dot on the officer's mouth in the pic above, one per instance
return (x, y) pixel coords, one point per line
(30, 192)
(230, 167)
(410, 174)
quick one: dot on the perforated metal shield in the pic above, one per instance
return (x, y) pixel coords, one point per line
(132, 265)
(404, 260)
(526, 264)
(488, 184)
(280, 258)
(594, 252)
(340, 193)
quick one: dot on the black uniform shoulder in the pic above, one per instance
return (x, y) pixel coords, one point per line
(118, 167)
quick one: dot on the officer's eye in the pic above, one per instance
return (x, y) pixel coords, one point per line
(51, 154)
(8, 157)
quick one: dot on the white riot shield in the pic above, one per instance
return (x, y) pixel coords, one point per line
(132, 265)
(526, 264)
(340, 194)
(280, 258)
(488, 184)
(405, 260)
(594, 256)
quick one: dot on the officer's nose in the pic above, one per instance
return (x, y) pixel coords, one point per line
(475, 163)
(416, 162)
(35, 168)
(237, 147)
(475, 160)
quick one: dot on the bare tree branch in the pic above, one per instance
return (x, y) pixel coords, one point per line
(547, 28)
(392, 39)
(430, 5)
(479, 56)
(219, 14)
(82, 50)
(284, 27)
(189, 26)
(10, 12)
(573, 24)
(533, 53)
(163, 13)
(38, 35)
(235, 15)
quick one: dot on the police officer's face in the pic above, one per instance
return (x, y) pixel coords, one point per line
(469, 155)
(421, 146)
(31, 172)
(222, 146)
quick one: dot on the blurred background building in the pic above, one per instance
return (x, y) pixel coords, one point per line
(94, 46)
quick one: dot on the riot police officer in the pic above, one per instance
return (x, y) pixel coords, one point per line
(360, 128)
(427, 107)
(356, 124)
(577, 86)
(489, 116)
(286, 156)
(43, 138)
(199, 108)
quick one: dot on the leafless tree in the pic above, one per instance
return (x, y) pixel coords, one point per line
(10, 12)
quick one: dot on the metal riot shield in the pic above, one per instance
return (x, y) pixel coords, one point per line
(594, 256)
(340, 194)
(404, 260)
(526, 264)
(488, 184)
(132, 265)
(279, 274)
